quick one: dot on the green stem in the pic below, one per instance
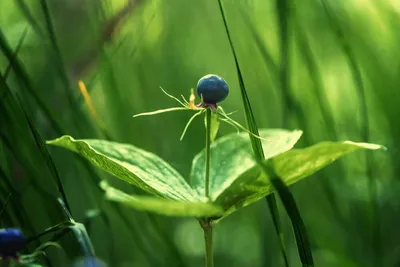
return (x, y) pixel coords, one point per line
(63, 225)
(205, 223)
(207, 227)
(208, 240)
(208, 156)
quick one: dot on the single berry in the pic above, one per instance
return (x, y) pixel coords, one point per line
(213, 89)
(12, 240)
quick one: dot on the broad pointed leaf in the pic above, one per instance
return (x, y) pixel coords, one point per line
(163, 206)
(231, 156)
(291, 166)
(133, 165)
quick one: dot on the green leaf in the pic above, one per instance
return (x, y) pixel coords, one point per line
(291, 166)
(163, 206)
(231, 156)
(133, 165)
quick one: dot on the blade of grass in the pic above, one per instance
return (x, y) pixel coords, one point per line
(25, 80)
(57, 52)
(46, 156)
(16, 204)
(6, 218)
(18, 68)
(92, 174)
(20, 72)
(355, 69)
(256, 144)
(3, 209)
(29, 17)
(15, 140)
(303, 243)
(16, 51)
(32, 181)
(55, 228)
(80, 232)
(284, 193)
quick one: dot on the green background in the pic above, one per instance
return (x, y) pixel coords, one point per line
(337, 81)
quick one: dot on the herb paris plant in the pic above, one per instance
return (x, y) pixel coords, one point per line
(224, 176)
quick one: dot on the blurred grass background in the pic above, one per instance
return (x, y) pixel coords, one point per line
(338, 80)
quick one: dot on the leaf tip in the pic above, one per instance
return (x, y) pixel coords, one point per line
(298, 132)
(104, 185)
(57, 140)
(367, 145)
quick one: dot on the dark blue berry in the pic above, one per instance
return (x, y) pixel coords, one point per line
(213, 89)
(12, 240)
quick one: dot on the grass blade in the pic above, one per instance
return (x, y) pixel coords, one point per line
(46, 156)
(80, 232)
(3, 209)
(284, 193)
(19, 45)
(303, 243)
(25, 80)
(57, 51)
(26, 12)
(256, 144)
(16, 205)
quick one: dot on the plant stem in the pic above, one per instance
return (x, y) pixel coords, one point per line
(205, 223)
(63, 225)
(208, 240)
(208, 156)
